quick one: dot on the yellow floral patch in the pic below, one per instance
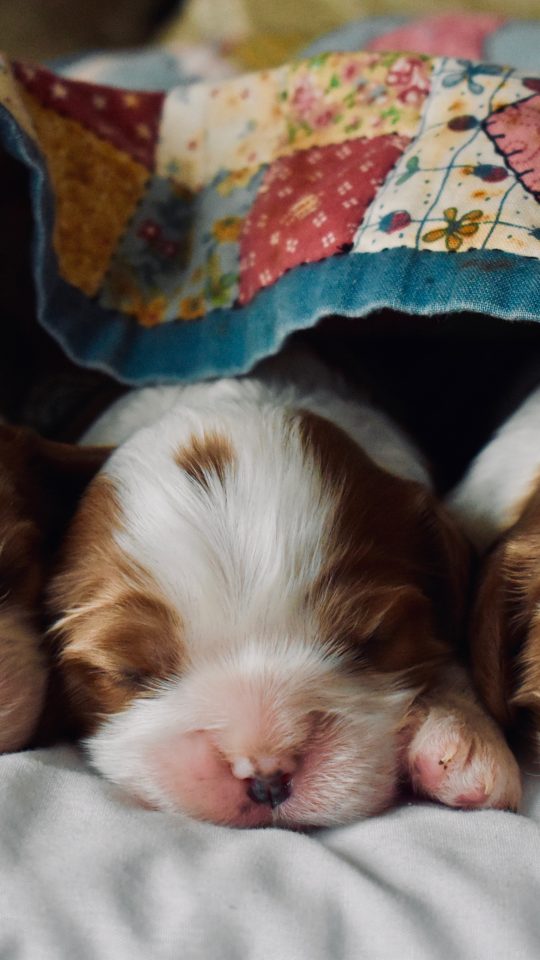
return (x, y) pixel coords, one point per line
(255, 119)
(335, 96)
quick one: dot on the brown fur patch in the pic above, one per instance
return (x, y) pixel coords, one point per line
(20, 536)
(392, 592)
(39, 486)
(22, 665)
(505, 627)
(116, 633)
(210, 455)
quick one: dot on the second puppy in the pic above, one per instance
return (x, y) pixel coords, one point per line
(498, 504)
(40, 482)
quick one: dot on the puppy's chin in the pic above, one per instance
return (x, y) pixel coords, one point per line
(22, 680)
(207, 745)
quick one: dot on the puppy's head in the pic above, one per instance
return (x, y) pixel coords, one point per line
(247, 608)
(39, 484)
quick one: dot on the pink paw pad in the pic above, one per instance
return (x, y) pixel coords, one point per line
(463, 760)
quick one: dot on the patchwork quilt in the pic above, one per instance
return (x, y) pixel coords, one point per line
(184, 234)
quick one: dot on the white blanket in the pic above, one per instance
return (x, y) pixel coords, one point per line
(85, 874)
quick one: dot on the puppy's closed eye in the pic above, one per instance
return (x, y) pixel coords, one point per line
(131, 677)
(128, 678)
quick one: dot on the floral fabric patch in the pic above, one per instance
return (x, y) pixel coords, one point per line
(334, 97)
(454, 189)
(256, 119)
(180, 257)
(208, 128)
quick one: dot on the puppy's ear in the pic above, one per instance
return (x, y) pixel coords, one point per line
(50, 477)
(40, 485)
(422, 626)
(418, 626)
(64, 471)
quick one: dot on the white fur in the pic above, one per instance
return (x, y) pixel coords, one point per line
(236, 552)
(489, 498)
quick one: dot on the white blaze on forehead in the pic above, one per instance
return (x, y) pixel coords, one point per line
(237, 551)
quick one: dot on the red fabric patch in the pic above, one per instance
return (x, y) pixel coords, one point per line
(127, 119)
(310, 205)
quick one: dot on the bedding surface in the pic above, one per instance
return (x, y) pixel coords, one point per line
(85, 874)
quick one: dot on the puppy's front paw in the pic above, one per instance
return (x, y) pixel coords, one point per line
(459, 757)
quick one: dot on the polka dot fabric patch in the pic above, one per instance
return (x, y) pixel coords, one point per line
(128, 120)
(309, 206)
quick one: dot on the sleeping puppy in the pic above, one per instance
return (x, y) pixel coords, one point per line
(257, 605)
(498, 504)
(39, 484)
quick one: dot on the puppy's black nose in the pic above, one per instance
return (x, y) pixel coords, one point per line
(272, 790)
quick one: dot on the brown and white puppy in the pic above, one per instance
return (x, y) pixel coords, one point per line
(39, 484)
(257, 605)
(498, 504)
